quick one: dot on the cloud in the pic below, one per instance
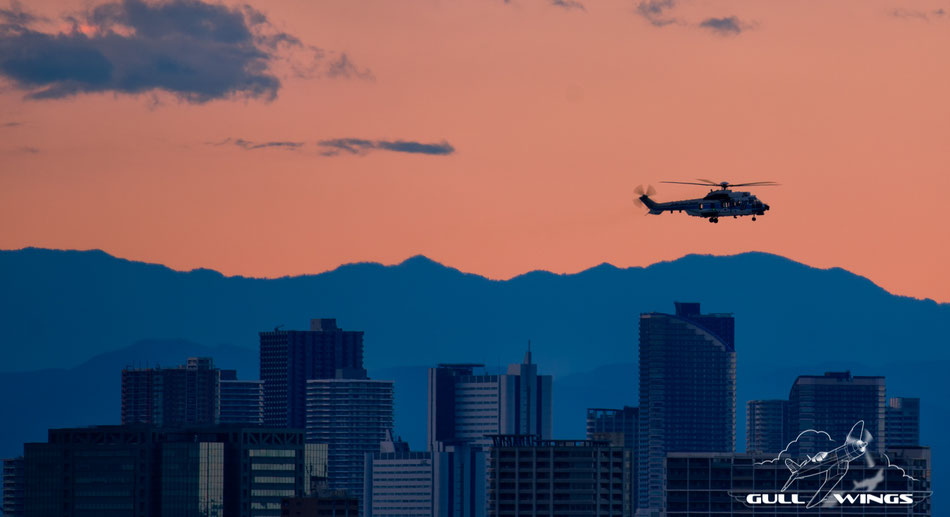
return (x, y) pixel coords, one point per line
(194, 50)
(11, 124)
(250, 146)
(920, 15)
(343, 67)
(16, 15)
(361, 146)
(657, 12)
(569, 4)
(728, 26)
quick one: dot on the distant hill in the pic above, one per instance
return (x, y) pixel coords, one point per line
(61, 308)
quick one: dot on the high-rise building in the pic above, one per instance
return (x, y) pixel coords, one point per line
(289, 358)
(241, 402)
(186, 395)
(833, 403)
(398, 482)
(705, 484)
(687, 392)
(467, 407)
(617, 426)
(13, 482)
(765, 426)
(352, 416)
(446, 482)
(146, 471)
(532, 476)
(902, 424)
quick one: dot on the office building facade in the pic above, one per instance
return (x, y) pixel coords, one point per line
(833, 403)
(765, 426)
(902, 424)
(687, 392)
(352, 416)
(146, 471)
(289, 358)
(13, 483)
(620, 427)
(537, 477)
(185, 395)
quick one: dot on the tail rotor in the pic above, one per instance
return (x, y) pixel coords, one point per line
(649, 191)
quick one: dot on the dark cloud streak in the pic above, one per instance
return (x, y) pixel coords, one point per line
(657, 12)
(570, 5)
(359, 146)
(727, 26)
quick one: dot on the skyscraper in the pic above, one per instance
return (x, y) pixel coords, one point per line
(765, 426)
(832, 403)
(241, 402)
(352, 416)
(467, 407)
(289, 358)
(903, 422)
(687, 392)
(186, 395)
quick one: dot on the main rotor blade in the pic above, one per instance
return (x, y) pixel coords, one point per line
(711, 182)
(691, 183)
(756, 184)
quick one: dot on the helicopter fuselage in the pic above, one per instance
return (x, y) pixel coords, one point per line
(716, 204)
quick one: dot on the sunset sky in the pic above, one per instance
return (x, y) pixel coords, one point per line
(290, 137)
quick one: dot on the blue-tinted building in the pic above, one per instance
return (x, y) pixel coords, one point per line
(289, 358)
(241, 402)
(765, 426)
(833, 403)
(146, 471)
(351, 416)
(903, 422)
(687, 392)
(617, 426)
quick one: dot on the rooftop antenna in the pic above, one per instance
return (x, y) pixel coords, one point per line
(278, 327)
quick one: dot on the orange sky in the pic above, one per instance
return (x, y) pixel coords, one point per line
(555, 114)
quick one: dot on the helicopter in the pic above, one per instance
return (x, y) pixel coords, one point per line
(720, 201)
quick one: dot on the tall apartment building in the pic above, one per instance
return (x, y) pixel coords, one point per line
(467, 407)
(832, 403)
(289, 358)
(241, 402)
(352, 416)
(532, 476)
(185, 395)
(617, 426)
(146, 471)
(687, 392)
(765, 426)
(902, 424)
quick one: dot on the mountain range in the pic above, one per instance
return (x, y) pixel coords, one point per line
(70, 320)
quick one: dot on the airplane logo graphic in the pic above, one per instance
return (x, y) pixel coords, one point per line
(833, 464)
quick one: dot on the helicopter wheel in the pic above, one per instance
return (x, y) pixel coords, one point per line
(753, 218)
(714, 219)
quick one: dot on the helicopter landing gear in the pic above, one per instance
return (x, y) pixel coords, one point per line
(753, 218)
(714, 219)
